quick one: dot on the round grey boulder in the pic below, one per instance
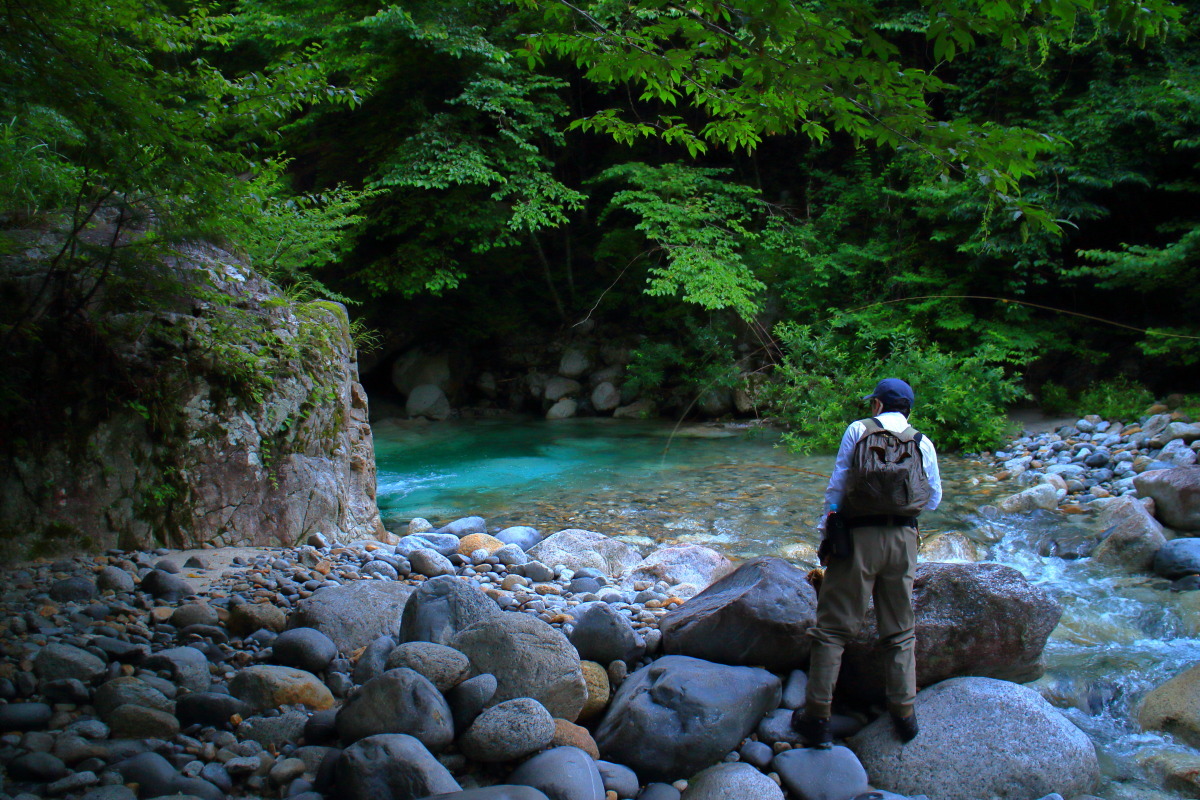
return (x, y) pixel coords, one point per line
(354, 615)
(427, 400)
(72, 590)
(734, 782)
(114, 579)
(757, 615)
(1176, 494)
(980, 738)
(57, 661)
(678, 715)
(529, 658)
(508, 731)
(398, 701)
(430, 563)
(522, 536)
(303, 648)
(602, 634)
(444, 666)
(561, 772)
(442, 607)
(1178, 558)
(831, 774)
(390, 767)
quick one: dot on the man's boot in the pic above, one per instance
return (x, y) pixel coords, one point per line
(906, 727)
(814, 731)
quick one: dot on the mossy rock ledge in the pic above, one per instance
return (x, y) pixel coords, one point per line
(220, 412)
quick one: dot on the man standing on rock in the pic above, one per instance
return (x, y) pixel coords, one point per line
(884, 476)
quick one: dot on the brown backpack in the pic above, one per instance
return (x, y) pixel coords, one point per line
(887, 473)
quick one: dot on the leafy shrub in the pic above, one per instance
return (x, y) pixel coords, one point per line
(1055, 399)
(961, 399)
(1118, 398)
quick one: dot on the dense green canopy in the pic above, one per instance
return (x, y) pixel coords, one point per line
(961, 189)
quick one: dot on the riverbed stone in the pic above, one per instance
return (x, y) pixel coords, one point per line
(561, 773)
(264, 686)
(980, 737)
(734, 782)
(194, 614)
(557, 388)
(391, 767)
(595, 678)
(529, 658)
(131, 721)
(1043, 495)
(563, 409)
(479, 541)
(508, 731)
(1132, 537)
(430, 563)
(832, 774)
(522, 536)
(606, 396)
(373, 660)
(443, 666)
(602, 634)
(681, 563)
(356, 614)
(1174, 707)
(758, 615)
(114, 579)
(210, 708)
(429, 401)
(58, 660)
(303, 648)
(166, 586)
(398, 701)
(469, 698)
(678, 715)
(1176, 494)
(1178, 558)
(577, 549)
(442, 607)
(129, 690)
(971, 619)
(24, 716)
(76, 589)
(246, 618)
(465, 526)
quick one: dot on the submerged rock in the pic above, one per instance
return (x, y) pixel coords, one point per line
(1174, 707)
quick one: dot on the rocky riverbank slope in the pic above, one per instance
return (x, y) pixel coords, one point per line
(503, 665)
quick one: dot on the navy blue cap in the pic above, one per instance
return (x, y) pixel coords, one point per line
(892, 391)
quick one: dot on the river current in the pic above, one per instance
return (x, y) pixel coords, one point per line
(738, 491)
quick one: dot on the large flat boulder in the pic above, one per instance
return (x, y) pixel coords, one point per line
(577, 549)
(354, 615)
(682, 563)
(528, 658)
(1176, 494)
(981, 738)
(971, 619)
(673, 718)
(758, 615)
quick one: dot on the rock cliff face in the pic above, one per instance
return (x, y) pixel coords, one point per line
(225, 414)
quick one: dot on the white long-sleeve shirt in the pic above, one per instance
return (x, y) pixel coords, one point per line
(893, 421)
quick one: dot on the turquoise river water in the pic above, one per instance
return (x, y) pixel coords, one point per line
(739, 492)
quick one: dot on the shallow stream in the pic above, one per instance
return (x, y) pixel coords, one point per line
(740, 493)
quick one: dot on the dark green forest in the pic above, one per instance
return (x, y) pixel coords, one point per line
(996, 200)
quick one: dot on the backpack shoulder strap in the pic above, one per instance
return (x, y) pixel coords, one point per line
(872, 425)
